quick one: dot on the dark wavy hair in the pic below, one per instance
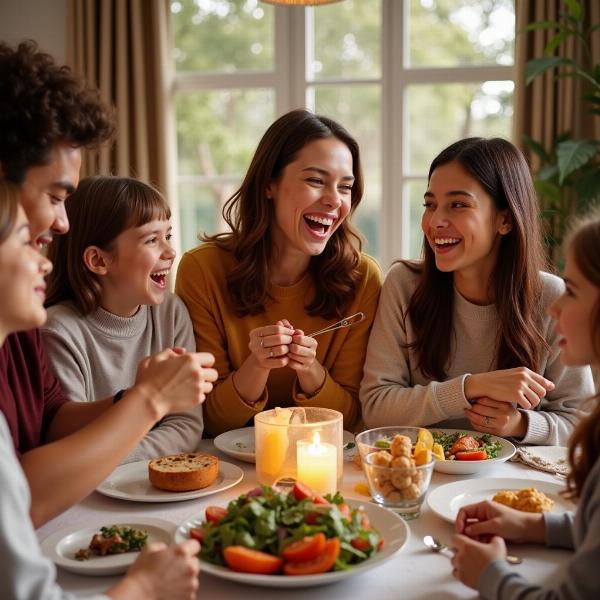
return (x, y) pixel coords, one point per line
(250, 215)
(584, 446)
(42, 104)
(99, 210)
(502, 171)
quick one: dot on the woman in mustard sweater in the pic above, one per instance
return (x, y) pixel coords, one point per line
(292, 264)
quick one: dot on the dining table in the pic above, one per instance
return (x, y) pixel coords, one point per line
(414, 572)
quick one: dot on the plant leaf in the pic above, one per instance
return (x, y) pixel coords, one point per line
(548, 172)
(573, 154)
(549, 190)
(574, 8)
(537, 66)
(556, 41)
(537, 148)
(588, 188)
(540, 25)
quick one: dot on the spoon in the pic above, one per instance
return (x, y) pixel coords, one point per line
(437, 546)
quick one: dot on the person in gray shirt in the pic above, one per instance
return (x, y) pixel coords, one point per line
(481, 565)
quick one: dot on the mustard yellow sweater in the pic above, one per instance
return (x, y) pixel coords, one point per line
(202, 284)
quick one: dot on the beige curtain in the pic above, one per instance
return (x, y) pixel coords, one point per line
(548, 107)
(123, 48)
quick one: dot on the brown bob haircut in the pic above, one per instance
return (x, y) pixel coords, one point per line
(9, 207)
(250, 215)
(515, 284)
(584, 448)
(99, 210)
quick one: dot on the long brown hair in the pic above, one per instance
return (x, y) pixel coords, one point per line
(250, 215)
(99, 210)
(584, 447)
(9, 206)
(503, 172)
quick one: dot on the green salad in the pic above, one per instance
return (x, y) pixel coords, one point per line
(447, 440)
(276, 523)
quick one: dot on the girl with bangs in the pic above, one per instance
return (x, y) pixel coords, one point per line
(462, 339)
(291, 265)
(108, 301)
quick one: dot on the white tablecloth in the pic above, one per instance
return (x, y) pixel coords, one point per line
(413, 573)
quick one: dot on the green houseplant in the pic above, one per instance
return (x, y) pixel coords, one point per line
(568, 181)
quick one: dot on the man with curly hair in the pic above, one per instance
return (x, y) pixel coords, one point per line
(47, 115)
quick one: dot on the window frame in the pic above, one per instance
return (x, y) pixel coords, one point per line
(293, 89)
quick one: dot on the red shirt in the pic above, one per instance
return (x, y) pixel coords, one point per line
(30, 393)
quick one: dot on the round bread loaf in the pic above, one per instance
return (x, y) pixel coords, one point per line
(183, 472)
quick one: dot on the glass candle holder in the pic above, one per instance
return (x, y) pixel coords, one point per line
(300, 444)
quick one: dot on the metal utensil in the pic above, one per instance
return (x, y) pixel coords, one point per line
(437, 546)
(346, 322)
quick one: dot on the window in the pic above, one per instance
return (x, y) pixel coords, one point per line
(406, 77)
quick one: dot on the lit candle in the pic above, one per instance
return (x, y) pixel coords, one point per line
(317, 465)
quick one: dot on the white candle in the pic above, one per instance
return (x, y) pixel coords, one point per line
(317, 465)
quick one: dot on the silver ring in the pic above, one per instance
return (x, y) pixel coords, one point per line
(271, 354)
(487, 421)
(261, 341)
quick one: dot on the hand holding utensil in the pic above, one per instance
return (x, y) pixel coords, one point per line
(436, 546)
(346, 322)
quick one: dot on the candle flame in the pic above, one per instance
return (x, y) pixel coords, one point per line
(316, 439)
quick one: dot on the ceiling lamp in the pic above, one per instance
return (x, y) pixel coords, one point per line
(300, 2)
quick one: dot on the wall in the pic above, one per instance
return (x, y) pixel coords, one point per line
(41, 20)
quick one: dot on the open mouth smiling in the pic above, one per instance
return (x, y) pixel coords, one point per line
(446, 242)
(160, 278)
(318, 224)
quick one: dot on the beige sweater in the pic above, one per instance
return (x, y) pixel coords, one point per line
(394, 392)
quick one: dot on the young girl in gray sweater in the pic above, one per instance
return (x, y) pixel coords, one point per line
(109, 306)
(481, 565)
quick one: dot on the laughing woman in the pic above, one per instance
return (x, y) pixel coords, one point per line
(463, 339)
(291, 265)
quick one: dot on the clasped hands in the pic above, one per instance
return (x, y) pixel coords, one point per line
(281, 345)
(496, 396)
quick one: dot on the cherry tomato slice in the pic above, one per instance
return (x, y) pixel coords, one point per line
(198, 533)
(305, 549)
(471, 455)
(246, 560)
(301, 491)
(321, 564)
(214, 514)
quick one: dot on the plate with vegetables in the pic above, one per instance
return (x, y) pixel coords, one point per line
(271, 538)
(467, 452)
(106, 548)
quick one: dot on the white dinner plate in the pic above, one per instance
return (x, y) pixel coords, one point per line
(392, 527)
(446, 500)
(239, 443)
(61, 546)
(468, 467)
(130, 482)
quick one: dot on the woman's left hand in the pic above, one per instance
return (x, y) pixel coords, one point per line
(471, 558)
(496, 417)
(302, 358)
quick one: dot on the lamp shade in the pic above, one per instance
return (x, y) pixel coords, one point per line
(300, 2)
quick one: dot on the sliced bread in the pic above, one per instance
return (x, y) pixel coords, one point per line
(183, 472)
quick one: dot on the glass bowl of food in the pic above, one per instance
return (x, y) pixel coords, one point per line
(398, 463)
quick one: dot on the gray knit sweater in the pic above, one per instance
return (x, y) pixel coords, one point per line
(96, 355)
(581, 533)
(394, 392)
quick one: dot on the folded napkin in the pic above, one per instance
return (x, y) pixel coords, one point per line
(551, 459)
